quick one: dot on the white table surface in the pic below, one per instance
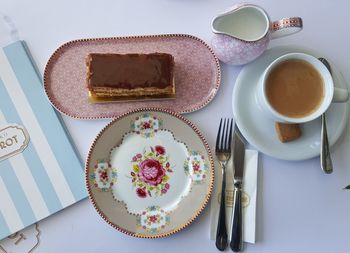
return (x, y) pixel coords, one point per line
(299, 208)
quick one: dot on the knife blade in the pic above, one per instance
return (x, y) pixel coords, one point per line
(238, 154)
(236, 243)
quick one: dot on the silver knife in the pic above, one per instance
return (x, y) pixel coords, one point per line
(236, 243)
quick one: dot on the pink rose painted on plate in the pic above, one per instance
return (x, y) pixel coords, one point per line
(150, 172)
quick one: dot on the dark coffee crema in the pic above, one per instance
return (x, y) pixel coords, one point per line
(294, 88)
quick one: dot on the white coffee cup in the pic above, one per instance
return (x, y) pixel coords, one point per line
(331, 93)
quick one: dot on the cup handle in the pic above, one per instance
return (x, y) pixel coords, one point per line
(340, 95)
(285, 27)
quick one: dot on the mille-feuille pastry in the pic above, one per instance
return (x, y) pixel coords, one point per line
(113, 77)
(287, 132)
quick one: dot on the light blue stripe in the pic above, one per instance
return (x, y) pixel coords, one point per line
(50, 124)
(30, 155)
(4, 229)
(58, 114)
(16, 193)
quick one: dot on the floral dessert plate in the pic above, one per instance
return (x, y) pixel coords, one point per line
(149, 173)
(197, 74)
(260, 131)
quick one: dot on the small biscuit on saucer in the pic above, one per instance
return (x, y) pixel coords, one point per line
(287, 132)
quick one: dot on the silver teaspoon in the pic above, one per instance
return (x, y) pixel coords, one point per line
(325, 155)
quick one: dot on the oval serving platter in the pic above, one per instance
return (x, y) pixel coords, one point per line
(197, 74)
(149, 173)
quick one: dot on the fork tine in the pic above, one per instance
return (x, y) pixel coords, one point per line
(222, 141)
(226, 135)
(218, 137)
(230, 136)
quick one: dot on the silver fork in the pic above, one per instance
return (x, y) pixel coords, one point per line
(223, 154)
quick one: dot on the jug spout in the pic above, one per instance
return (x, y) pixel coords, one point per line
(246, 22)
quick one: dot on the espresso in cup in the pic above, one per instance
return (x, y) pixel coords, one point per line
(294, 88)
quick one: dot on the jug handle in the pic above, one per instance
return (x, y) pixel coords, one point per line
(285, 27)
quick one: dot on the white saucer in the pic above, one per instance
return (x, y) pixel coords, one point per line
(260, 131)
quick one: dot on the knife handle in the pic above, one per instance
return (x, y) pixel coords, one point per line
(236, 235)
(221, 231)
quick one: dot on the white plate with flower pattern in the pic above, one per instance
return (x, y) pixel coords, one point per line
(149, 173)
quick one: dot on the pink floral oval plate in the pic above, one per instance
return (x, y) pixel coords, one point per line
(197, 74)
(149, 173)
